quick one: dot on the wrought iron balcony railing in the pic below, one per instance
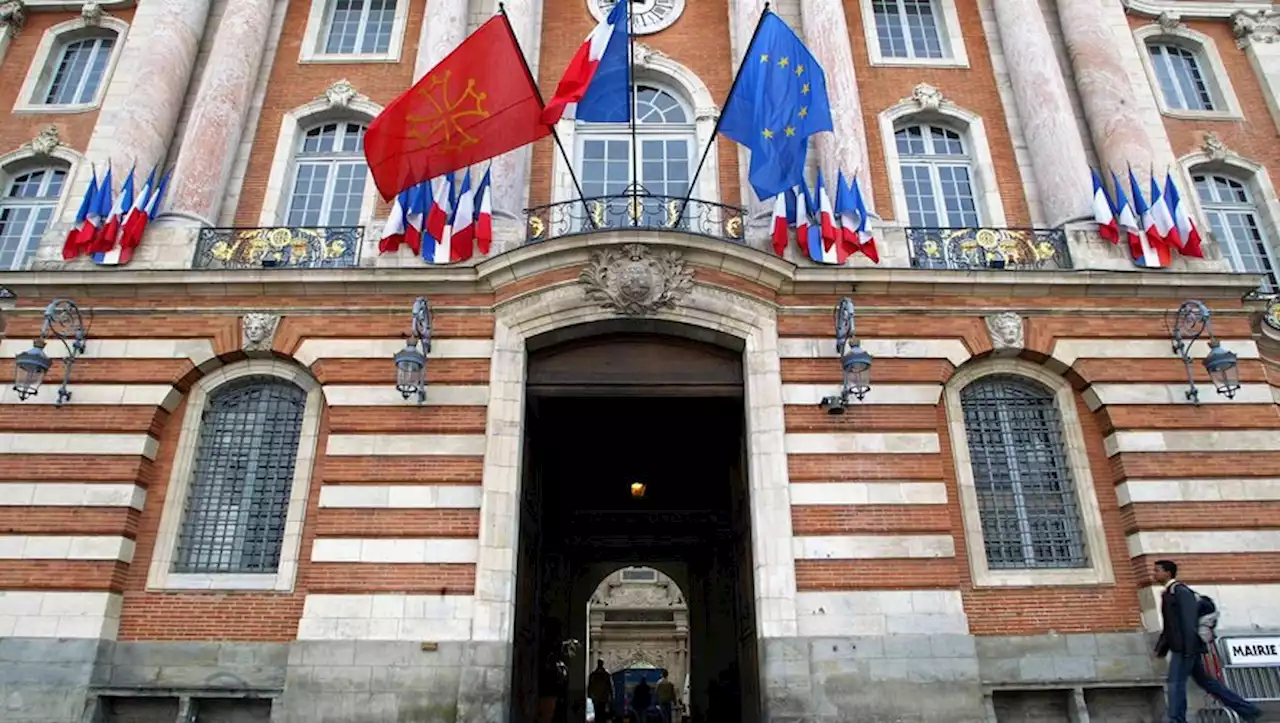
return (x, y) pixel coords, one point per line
(278, 247)
(988, 248)
(642, 210)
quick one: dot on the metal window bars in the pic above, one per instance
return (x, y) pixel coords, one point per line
(234, 517)
(1026, 496)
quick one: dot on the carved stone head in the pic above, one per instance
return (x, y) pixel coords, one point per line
(1006, 332)
(259, 331)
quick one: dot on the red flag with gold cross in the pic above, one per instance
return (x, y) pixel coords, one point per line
(477, 103)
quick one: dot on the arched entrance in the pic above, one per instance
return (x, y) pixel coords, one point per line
(611, 405)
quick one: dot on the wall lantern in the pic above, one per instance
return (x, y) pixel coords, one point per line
(411, 361)
(63, 322)
(855, 362)
(1191, 322)
(638, 489)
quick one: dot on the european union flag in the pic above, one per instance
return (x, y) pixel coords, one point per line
(779, 99)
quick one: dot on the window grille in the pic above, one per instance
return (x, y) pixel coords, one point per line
(1026, 496)
(242, 478)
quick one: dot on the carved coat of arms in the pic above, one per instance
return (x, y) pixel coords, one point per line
(635, 281)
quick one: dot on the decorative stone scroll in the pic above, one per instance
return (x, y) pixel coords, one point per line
(258, 331)
(92, 13)
(1007, 333)
(1257, 26)
(1213, 146)
(635, 281)
(340, 94)
(926, 97)
(1169, 21)
(45, 142)
(13, 15)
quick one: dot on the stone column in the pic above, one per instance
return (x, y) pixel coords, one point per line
(13, 15)
(1058, 159)
(826, 33)
(444, 25)
(136, 126)
(214, 129)
(1258, 33)
(743, 17)
(1119, 138)
(511, 171)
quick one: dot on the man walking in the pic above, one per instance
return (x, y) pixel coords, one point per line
(666, 696)
(1180, 639)
(600, 691)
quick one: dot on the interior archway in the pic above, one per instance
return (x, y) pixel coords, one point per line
(609, 405)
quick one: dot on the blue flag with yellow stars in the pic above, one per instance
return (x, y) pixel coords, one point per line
(778, 101)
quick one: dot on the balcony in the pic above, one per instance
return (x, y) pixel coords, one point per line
(278, 247)
(988, 248)
(641, 210)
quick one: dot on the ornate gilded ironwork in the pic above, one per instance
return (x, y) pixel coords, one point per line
(607, 213)
(278, 247)
(1272, 316)
(988, 248)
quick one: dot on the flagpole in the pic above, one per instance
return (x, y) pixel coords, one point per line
(502, 10)
(719, 118)
(631, 111)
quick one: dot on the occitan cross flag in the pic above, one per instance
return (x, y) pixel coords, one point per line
(477, 103)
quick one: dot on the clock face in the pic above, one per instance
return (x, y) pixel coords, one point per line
(647, 16)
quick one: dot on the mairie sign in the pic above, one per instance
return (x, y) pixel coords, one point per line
(1253, 651)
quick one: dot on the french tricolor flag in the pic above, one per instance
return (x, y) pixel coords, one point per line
(1126, 220)
(1186, 226)
(438, 244)
(1151, 252)
(393, 230)
(781, 220)
(98, 211)
(1104, 211)
(71, 247)
(826, 215)
(105, 251)
(847, 216)
(146, 206)
(598, 79)
(802, 219)
(462, 236)
(866, 239)
(484, 215)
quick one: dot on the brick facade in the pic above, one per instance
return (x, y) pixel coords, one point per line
(403, 525)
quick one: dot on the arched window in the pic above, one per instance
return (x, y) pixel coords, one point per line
(329, 174)
(1233, 216)
(27, 203)
(665, 133)
(1027, 499)
(1183, 82)
(242, 478)
(937, 177)
(78, 70)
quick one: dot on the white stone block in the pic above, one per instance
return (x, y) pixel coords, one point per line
(880, 612)
(344, 395)
(868, 493)
(867, 547)
(401, 445)
(1200, 440)
(862, 443)
(313, 349)
(813, 394)
(1224, 489)
(1196, 542)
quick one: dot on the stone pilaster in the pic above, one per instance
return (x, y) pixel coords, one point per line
(444, 25)
(826, 32)
(1119, 138)
(1258, 33)
(511, 171)
(214, 129)
(1057, 153)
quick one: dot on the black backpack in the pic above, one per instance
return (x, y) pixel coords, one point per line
(1206, 615)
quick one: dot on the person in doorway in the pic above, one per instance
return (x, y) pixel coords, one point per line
(641, 698)
(600, 691)
(666, 696)
(1180, 640)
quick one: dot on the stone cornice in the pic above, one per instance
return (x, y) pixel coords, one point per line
(1192, 10)
(65, 5)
